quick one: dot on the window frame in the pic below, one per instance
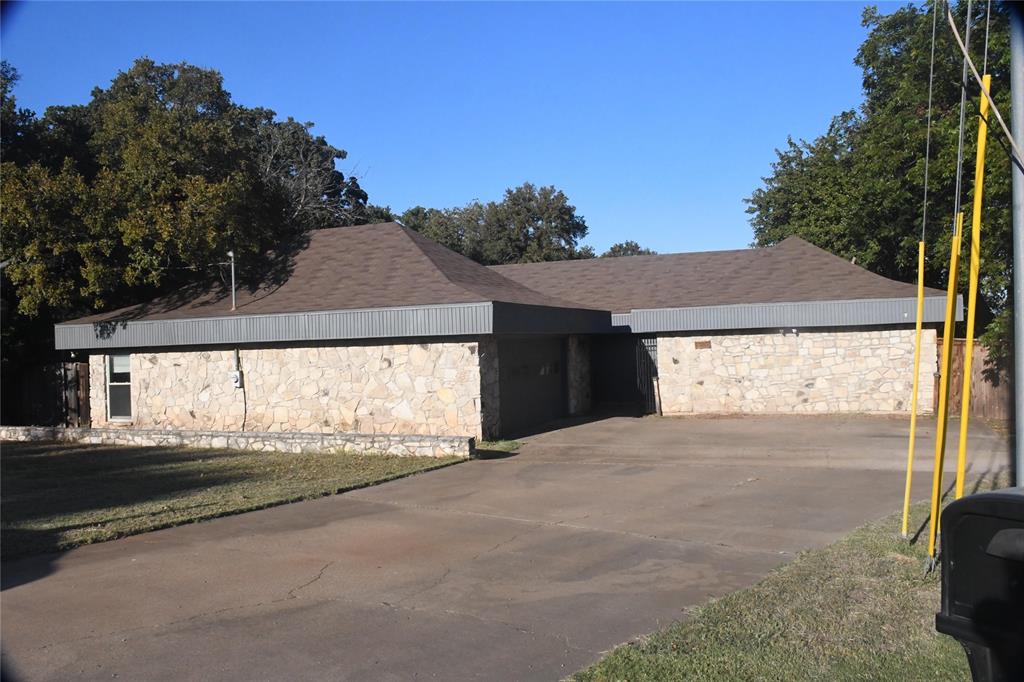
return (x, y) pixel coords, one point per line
(109, 366)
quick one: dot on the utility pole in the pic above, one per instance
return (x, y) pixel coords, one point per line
(1017, 126)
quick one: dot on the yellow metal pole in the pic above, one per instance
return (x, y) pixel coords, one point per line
(947, 355)
(972, 295)
(917, 381)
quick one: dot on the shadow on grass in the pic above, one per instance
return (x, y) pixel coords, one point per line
(48, 490)
(56, 496)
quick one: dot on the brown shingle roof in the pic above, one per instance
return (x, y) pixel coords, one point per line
(345, 268)
(388, 265)
(792, 271)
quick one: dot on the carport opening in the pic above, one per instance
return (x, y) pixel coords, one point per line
(532, 383)
(550, 382)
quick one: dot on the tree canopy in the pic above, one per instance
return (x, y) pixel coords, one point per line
(147, 186)
(529, 224)
(857, 189)
(627, 248)
(150, 183)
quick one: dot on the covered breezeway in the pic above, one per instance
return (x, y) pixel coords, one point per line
(532, 381)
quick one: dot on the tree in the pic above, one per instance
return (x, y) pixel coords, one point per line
(302, 167)
(627, 248)
(148, 185)
(18, 127)
(376, 214)
(529, 224)
(857, 189)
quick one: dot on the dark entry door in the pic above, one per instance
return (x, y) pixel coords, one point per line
(532, 383)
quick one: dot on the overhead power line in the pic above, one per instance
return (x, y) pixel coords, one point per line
(963, 111)
(1019, 157)
(928, 137)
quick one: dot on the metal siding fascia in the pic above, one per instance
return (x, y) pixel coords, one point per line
(515, 318)
(854, 313)
(621, 319)
(443, 320)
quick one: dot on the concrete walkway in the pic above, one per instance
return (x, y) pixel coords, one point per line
(519, 568)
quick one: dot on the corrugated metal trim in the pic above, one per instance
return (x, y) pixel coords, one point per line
(471, 319)
(440, 320)
(621, 319)
(852, 313)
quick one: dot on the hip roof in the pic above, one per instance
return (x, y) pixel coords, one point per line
(793, 271)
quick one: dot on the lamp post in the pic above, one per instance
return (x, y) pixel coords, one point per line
(231, 255)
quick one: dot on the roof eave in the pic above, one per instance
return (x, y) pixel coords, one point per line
(799, 314)
(460, 319)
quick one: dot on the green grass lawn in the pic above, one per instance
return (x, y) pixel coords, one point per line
(861, 609)
(54, 496)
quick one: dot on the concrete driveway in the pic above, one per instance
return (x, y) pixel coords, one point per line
(520, 568)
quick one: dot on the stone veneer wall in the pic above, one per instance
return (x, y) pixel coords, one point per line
(578, 375)
(413, 389)
(867, 370)
(361, 443)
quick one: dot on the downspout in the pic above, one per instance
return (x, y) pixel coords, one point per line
(239, 382)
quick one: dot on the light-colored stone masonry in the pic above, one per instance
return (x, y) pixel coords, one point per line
(410, 389)
(358, 443)
(827, 371)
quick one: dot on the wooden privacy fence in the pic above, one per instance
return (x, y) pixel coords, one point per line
(991, 394)
(52, 394)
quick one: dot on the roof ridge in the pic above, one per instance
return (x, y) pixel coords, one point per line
(412, 235)
(421, 242)
(800, 241)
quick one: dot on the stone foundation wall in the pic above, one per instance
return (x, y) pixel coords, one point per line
(403, 446)
(412, 389)
(828, 371)
(578, 375)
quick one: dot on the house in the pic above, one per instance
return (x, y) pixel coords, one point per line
(378, 330)
(790, 328)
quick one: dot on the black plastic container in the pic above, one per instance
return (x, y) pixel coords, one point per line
(983, 582)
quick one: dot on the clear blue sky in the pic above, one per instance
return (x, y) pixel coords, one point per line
(656, 119)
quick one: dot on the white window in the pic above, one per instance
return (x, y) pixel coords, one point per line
(119, 387)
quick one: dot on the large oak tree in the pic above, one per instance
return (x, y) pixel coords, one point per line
(857, 189)
(148, 186)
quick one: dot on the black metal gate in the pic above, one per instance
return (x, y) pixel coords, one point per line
(647, 371)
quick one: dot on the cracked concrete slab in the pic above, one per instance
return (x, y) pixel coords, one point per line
(520, 568)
